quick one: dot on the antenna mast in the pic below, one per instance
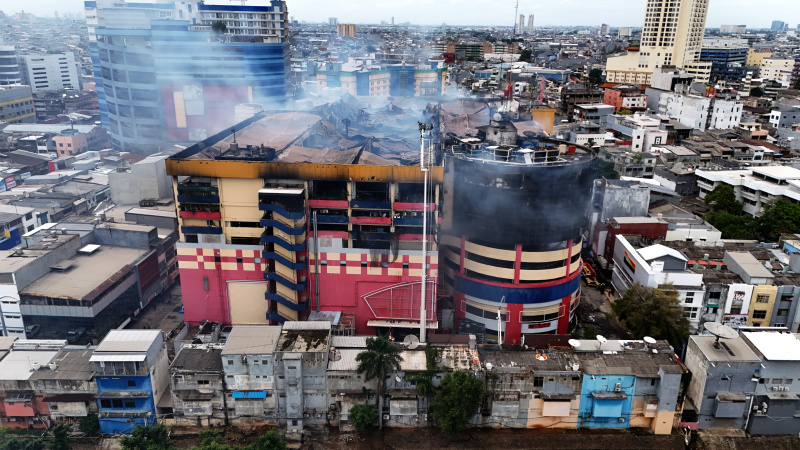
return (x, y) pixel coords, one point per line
(424, 130)
(516, 18)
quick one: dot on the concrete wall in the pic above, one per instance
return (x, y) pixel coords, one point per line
(146, 179)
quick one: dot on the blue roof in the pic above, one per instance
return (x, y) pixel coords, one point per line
(249, 394)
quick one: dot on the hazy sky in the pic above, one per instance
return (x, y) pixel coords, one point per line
(488, 12)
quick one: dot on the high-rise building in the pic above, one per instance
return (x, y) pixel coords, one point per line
(530, 24)
(174, 72)
(728, 58)
(9, 65)
(52, 71)
(333, 21)
(603, 29)
(671, 36)
(346, 30)
(17, 104)
(777, 25)
(521, 25)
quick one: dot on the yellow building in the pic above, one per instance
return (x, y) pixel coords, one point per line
(755, 57)
(761, 305)
(346, 29)
(672, 35)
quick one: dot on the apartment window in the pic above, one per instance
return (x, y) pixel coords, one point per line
(239, 260)
(759, 314)
(116, 403)
(230, 362)
(105, 403)
(762, 298)
(203, 382)
(538, 381)
(130, 403)
(131, 383)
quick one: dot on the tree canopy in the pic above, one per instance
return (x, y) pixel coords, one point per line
(380, 359)
(596, 76)
(525, 55)
(728, 217)
(154, 437)
(211, 440)
(456, 400)
(605, 169)
(756, 92)
(654, 312)
(362, 415)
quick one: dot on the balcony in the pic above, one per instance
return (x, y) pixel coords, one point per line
(280, 209)
(270, 239)
(285, 301)
(334, 204)
(365, 204)
(201, 230)
(197, 189)
(198, 198)
(408, 221)
(405, 206)
(282, 260)
(332, 219)
(371, 220)
(272, 276)
(203, 215)
(271, 223)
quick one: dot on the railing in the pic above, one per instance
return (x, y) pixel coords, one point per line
(332, 219)
(271, 223)
(207, 215)
(372, 220)
(288, 283)
(281, 259)
(280, 210)
(198, 199)
(269, 239)
(363, 204)
(201, 230)
(285, 301)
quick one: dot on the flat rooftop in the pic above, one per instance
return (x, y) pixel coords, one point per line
(198, 359)
(19, 364)
(252, 340)
(10, 263)
(71, 364)
(128, 341)
(728, 349)
(87, 274)
(774, 345)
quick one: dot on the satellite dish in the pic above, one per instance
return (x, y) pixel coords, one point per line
(649, 340)
(601, 339)
(411, 341)
(398, 379)
(574, 343)
(721, 331)
(489, 366)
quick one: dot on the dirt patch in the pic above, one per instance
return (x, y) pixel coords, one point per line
(710, 442)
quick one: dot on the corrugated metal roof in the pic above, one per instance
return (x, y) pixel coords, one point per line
(252, 340)
(349, 341)
(307, 325)
(128, 341)
(18, 365)
(249, 394)
(347, 362)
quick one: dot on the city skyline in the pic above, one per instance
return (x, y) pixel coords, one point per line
(476, 12)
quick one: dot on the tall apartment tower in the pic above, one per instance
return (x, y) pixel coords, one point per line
(530, 24)
(173, 72)
(52, 71)
(521, 26)
(9, 65)
(672, 35)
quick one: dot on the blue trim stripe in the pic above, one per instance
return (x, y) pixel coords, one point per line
(283, 227)
(249, 394)
(278, 258)
(279, 279)
(267, 239)
(492, 293)
(281, 211)
(291, 305)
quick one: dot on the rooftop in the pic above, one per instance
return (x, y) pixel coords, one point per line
(88, 275)
(128, 341)
(206, 359)
(72, 363)
(252, 340)
(19, 365)
(346, 360)
(727, 350)
(773, 345)
(304, 337)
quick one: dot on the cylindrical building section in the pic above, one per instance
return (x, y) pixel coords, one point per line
(511, 237)
(9, 65)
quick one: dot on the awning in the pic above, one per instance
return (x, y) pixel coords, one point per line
(70, 398)
(249, 394)
(400, 323)
(133, 357)
(609, 395)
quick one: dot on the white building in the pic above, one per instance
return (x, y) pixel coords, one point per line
(779, 69)
(50, 71)
(654, 266)
(785, 117)
(732, 29)
(672, 35)
(755, 188)
(701, 113)
(643, 130)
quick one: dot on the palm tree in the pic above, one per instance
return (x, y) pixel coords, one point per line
(380, 358)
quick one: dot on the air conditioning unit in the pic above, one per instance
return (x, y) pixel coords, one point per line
(618, 387)
(385, 417)
(621, 420)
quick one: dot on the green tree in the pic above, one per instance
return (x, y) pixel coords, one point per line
(371, 48)
(734, 226)
(590, 333)
(525, 55)
(10, 442)
(456, 401)
(797, 84)
(605, 169)
(380, 358)
(781, 217)
(653, 312)
(90, 425)
(363, 415)
(596, 76)
(154, 437)
(424, 378)
(723, 198)
(61, 439)
(271, 440)
(756, 91)
(219, 27)
(210, 440)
